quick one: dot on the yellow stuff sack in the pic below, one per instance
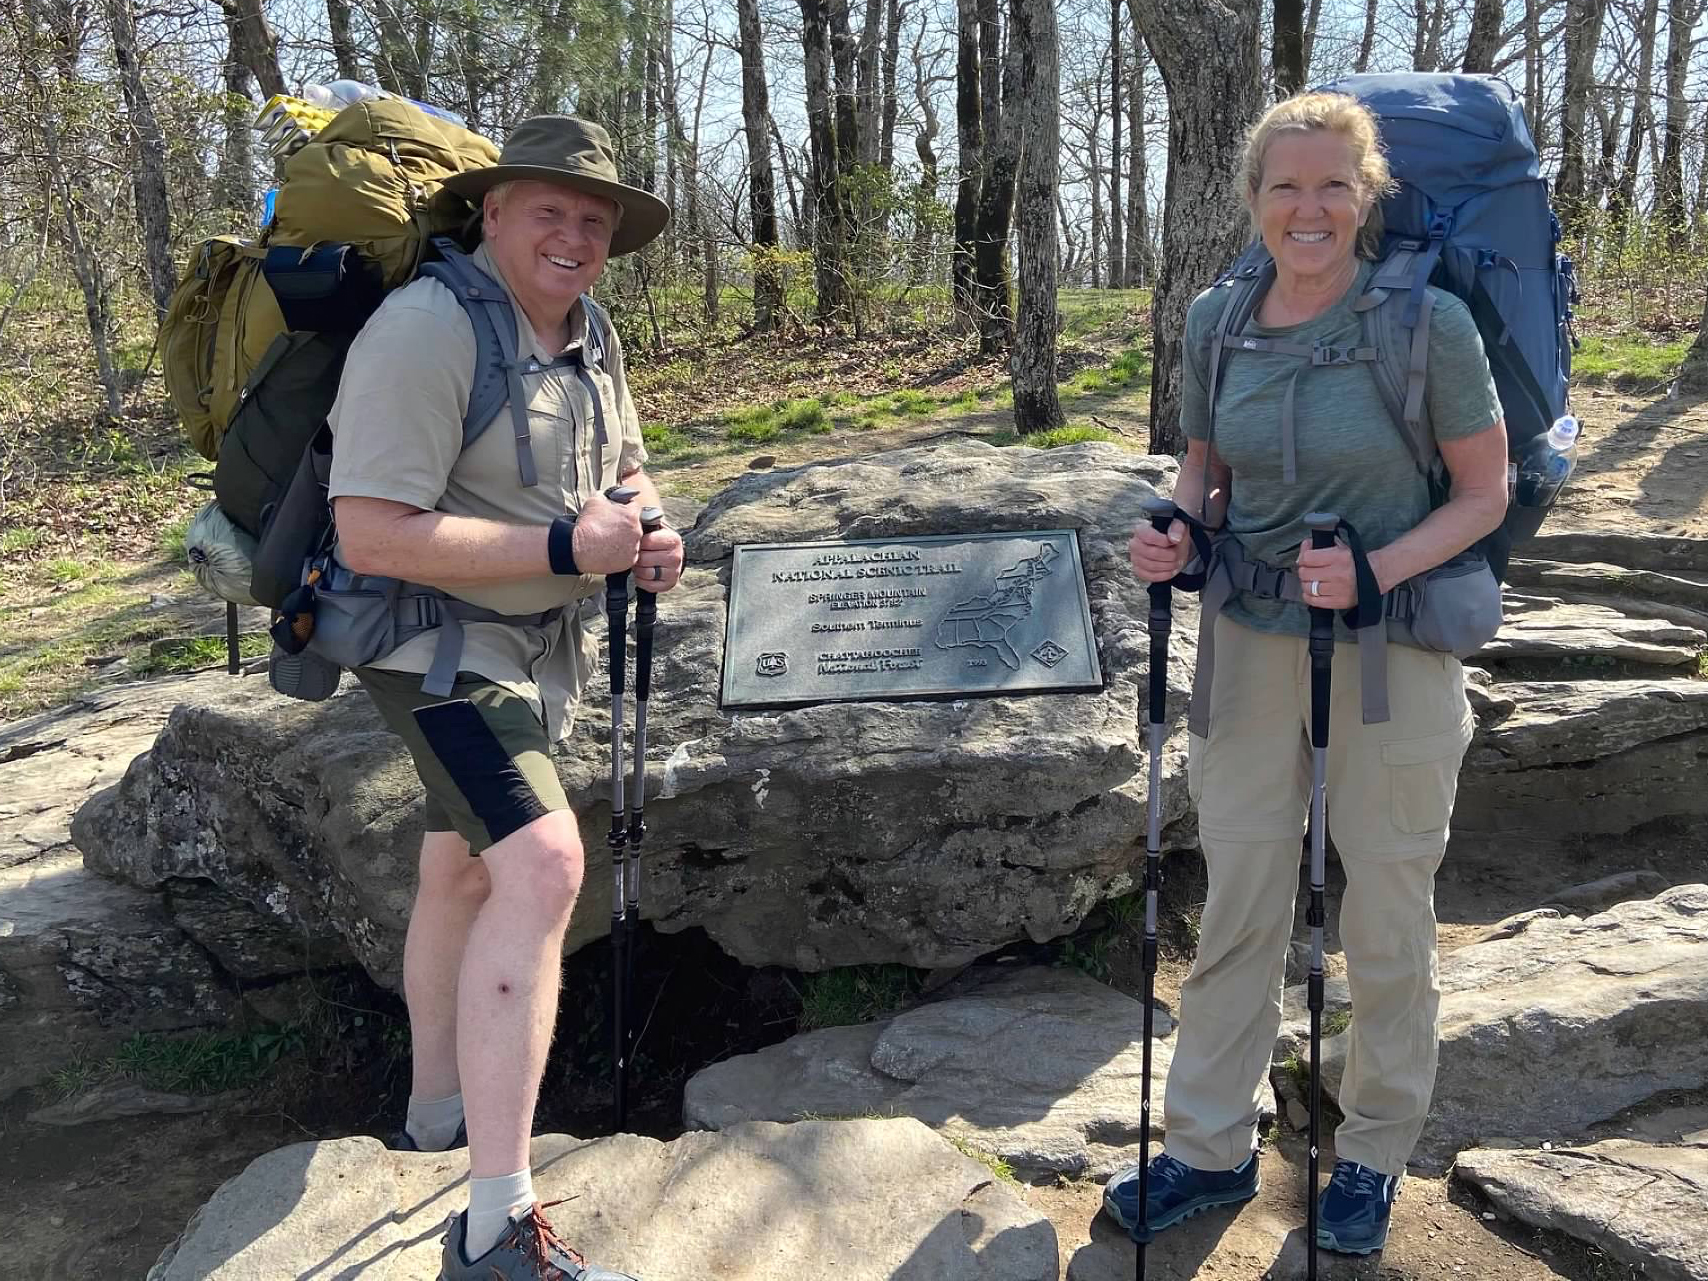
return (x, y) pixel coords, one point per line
(370, 179)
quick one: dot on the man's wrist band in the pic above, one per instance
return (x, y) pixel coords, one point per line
(560, 545)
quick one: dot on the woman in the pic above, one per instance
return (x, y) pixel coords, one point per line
(1313, 174)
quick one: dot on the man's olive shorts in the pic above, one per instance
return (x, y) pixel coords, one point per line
(482, 753)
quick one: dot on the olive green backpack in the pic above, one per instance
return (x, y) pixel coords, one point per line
(254, 340)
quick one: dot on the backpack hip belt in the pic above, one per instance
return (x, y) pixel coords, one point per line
(1232, 570)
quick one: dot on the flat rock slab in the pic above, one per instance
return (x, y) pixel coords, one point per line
(1564, 1024)
(1544, 627)
(1042, 1068)
(819, 1201)
(1640, 1203)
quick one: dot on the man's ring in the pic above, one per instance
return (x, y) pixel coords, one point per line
(658, 573)
(1316, 587)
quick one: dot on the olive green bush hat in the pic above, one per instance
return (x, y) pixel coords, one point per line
(576, 154)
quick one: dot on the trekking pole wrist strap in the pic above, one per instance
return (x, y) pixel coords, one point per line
(560, 545)
(1203, 546)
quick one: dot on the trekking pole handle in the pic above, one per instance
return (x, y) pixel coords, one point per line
(624, 494)
(1160, 512)
(1322, 526)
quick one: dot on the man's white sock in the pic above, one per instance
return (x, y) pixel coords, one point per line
(433, 1123)
(492, 1204)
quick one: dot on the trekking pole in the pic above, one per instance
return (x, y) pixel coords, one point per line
(646, 615)
(617, 618)
(1322, 527)
(1160, 512)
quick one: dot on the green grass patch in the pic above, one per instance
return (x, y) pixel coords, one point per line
(662, 441)
(1003, 1171)
(22, 539)
(199, 652)
(204, 1063)
(172, 539)
(1627, 360)
(755, 426)
(62, 571)
(1071, 434)
(803, 415)
(1336, 1021)
(856, 994)
(912, 402)
(207, 1062)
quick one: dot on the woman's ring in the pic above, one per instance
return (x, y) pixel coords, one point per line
(1316, 587)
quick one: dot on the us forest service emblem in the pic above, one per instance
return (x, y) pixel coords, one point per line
(1049, 653)
(772, 665)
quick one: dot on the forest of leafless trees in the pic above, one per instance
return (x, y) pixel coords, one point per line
(834, 163)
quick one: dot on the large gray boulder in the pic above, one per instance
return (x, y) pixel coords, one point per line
(1042, 1068)
(1545, 627)
(1638, 1202)
(1562, 1024)
(928, 832)
(870, 1200)
(1585, 756)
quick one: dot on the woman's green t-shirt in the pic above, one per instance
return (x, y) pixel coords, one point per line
(1351, 458)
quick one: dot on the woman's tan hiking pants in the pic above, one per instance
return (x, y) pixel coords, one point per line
(1390, 795)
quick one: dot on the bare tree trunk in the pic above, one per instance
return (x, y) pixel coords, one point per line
(1311, 37)
(234, 188)
(830, 244)
(1117, 246)
(1583, 34)
(761, 186)
(148, 164)
(1682, 17)
(1141, 266)
(924, 145)
(61, 181)
(1032, 364)
(969, 133)
(992, 282)
(800, 215)
(869, 107)
(649, 103)
(1533, 71)
(1484, 42)
(255, 43)
(1693, 374)
(1623, 196)
(896, 10)
(1603, 177)
(1367, 42)
(1094, 164)
(1207, 51)
(343, 43)
(1288, 56)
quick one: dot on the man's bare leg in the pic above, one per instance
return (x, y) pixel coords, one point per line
(507, 1003)
(452, 888)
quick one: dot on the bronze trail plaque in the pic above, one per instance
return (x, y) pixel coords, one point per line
(949, 615)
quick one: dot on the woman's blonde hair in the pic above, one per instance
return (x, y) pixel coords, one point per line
(1337, 113)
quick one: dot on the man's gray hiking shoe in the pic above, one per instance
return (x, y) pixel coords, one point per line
(529, 1250)
(403, 1141)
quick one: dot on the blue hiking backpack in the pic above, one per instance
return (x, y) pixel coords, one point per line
(1470, 216)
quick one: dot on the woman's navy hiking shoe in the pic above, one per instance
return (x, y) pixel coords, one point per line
(1353, 1213)
(1176, 1191)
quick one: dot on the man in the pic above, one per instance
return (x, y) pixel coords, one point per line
(501, 861)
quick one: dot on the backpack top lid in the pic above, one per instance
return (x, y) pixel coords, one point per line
(1452, 136)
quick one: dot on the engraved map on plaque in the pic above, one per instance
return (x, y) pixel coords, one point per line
(945, 615)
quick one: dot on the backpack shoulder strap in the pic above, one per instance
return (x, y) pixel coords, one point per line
(1246, 283)
(1402, 369)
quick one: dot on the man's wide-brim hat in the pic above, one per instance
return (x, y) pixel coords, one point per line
(571, 153)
